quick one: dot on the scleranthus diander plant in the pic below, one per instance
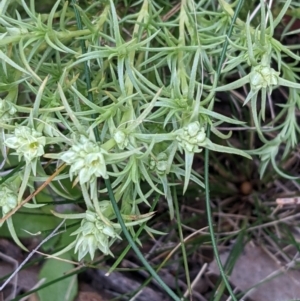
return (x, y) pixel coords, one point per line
(153, 87)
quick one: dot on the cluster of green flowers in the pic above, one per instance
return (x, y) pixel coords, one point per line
(86, 159)
(94, 235)
(191, 137)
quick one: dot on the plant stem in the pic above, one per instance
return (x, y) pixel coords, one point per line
(206, 166)
(108, 183)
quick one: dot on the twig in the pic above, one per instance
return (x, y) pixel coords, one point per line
(196, 280)
(15, 263)
(46, 183)
(31, 254)
(288, 201)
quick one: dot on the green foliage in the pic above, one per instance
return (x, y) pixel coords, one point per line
(127, 97)
(64, 290)
(31, 222)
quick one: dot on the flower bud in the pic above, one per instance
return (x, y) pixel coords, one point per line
(8, 199)
(121, 139)
(191, 137)
(15, 31)
(7, 110)
(159, 164)
(263, 77)
(47, 126)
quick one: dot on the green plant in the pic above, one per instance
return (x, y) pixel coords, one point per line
(128, 98)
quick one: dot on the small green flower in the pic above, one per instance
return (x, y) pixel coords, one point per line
(27, 142)
(7, 110)
(8, 199)
(86, 160)
(159, 164)
(94, 234)
(191, 137)
(47, 125)
(121, 139)
(263, 77)
(8, 202)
